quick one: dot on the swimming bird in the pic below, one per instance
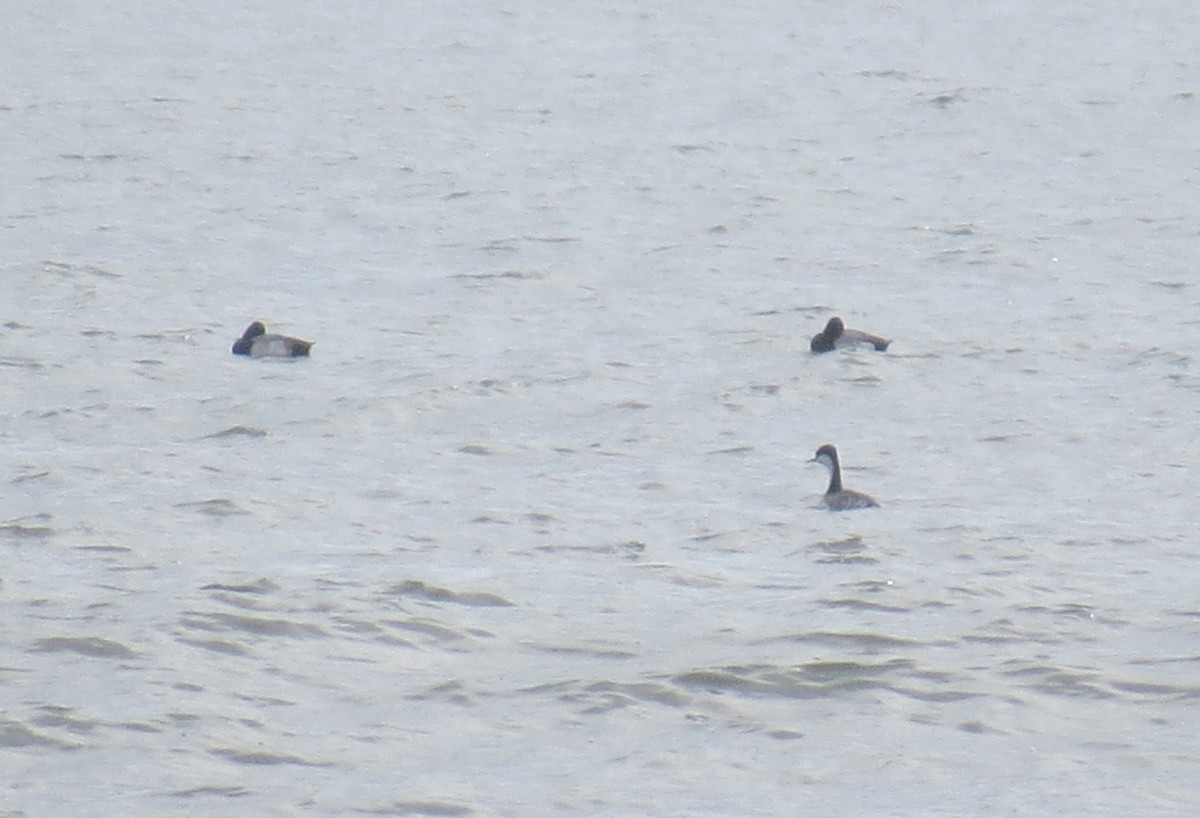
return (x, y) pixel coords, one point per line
(836, 497)
(836, 335)
(258, 344)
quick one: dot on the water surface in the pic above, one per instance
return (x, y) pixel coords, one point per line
(532, 533)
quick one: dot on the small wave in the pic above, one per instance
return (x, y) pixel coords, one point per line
(26, 532)
(84, 645)
(849, 550)
(433, 593)
(63, 718)
(16, 734)
(436, 809)
(35, 475)
(228, 792)
(652, 692)
(454, 692)
(861, 605)
(1092, 684)
(884, 73)
(236, 431)
(1058, 681)
(811, 680)
(217, 507)
(1156, 690)
(1072, 610)
(437, 631)
(977, 727)
(21, 363)
(595, 653)
(850, 640)
(259, 586)
(104, 549)
(257, 625)
(262, 757)
(605, 696)
(630, 549)
(512, 275)
(217, 646)
(736, 450)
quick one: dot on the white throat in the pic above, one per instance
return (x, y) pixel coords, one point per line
(825, 460)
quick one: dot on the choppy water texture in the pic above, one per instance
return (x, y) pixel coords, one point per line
(532, 533)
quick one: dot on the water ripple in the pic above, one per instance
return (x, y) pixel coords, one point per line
(1092, 684)
(436, 809)
(84, 645)
(236, 431)
(262, 757)
(437, 632)
(849, 550)
(23, 528)
(433, 593)
(811, 680)
(603, 696)
(217, 507)
(862, 640)
(259, 586)
(256, 625)
(16, 734)
(861, 605)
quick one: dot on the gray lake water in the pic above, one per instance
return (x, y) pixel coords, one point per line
(532, 532)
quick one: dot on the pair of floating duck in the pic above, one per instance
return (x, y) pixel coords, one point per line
(257, 343)
(834, 336)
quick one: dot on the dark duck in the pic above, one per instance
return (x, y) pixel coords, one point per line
(257, 343)
(836, 335)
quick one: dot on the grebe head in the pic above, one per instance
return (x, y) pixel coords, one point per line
(836, 497)
(827, 456)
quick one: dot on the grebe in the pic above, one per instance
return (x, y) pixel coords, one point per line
(256, 343)
(836, 497)
(836, 335)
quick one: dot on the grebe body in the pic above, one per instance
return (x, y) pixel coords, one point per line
(838, 498)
